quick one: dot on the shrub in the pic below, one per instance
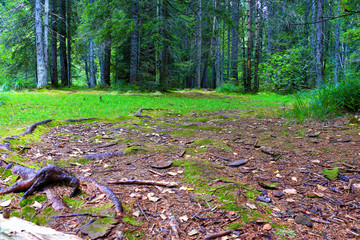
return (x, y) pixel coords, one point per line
(230, 88)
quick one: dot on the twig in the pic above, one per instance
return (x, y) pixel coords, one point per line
(104, 155)
(155, 172)
(222, 158)
(217, 235)
(144, 182)
(139, 115)
(88, 223)
(39, 210)
(73, 215)
(142, 211)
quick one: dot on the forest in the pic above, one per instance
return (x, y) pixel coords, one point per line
(241, 46)
(179, 119)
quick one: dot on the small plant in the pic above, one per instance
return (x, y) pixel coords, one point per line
(230, 88)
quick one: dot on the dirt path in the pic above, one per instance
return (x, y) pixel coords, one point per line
(275, 190)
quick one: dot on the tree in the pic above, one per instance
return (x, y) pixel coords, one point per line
(319, 43)
(134, 43)
(62, 40)
(198, 47)
(53, 44)
(235, 42)
(40, 47)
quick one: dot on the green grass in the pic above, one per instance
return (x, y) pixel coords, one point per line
(19, 109)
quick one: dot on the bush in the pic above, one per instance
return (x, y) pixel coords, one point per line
(285, 72)
(328, 101)
(230, 88)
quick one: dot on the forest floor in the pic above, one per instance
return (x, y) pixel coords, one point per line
(260, 176)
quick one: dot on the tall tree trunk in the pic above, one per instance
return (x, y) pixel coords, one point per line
(40, 58)
(217, 47)
(165, 47)
(107, 62)
(249, 47)
(157, 46)
(62, 47)
(92, 79)
(53, 51)
(312, 44)
(319, 43)
(235, 42)
(46, 37)
(337, 46)
(198, 48)
(258, 44)
(68, 37)
(134, 43)
(270, 27)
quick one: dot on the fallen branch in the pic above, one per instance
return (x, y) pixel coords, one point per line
(217, 235)
(107, 191)
(103, 155)
(144, 182)
(58, 204)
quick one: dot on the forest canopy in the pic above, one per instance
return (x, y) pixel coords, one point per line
(147, 45)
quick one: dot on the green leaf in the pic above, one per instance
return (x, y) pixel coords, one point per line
(330, 174)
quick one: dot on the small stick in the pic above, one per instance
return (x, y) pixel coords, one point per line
(222, 158)
(155, 172)
(217, 235)
(73, 215)
(39, 210)
(142, 211)
(144, 182)
(88, 223)
(173, 224)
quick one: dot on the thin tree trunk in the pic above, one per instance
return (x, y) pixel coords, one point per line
(134, 43)
(40, 58)
(249, 48)
(107, 62)
(165, 48)
(337, 46)
(312, 44)
(68, 38)
(319, 43)
(53, 51)
(157, 47)
(258, 45)
(270, 27)
(92, 79)
(62, 47)
(198, 48)
(217, 48)
(235, 43)
(46, 37)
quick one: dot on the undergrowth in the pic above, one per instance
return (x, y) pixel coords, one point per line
(328, 101)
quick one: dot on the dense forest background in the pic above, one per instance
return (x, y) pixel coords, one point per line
(147, 45)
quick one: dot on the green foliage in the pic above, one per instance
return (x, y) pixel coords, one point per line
(328, 101)
(330, 174)
(285, 72)
(230, 88)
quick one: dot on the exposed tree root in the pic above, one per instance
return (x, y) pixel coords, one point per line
(144, 182)
(139, 115)
(218, 235)
(30, 129)
(6, 147)
(103, 155)
(107, 191)
(34, 180)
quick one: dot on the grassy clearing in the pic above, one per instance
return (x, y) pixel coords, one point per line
(19, 109)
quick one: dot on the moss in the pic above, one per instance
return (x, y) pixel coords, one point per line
(15, 214)
(72, 202)
(184, 133)
(27, 212)
(204, 128)
(26, 202)
(134, 235)
(135, 150)
(132, 221)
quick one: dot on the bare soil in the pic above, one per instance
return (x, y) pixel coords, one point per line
(211, 197)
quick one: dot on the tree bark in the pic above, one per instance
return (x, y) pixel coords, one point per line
(107, 62)
(68, 38)
(258, 44)
(92, 79)
(319, 43)
(40, 57)
(217, 48)
(235, 43)
(337, 46)
(312, 45)
(53, 51)
(270, 27)
(198, 47)
(165, 47)
(134, 43)
(62, 47)
(249, 47)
